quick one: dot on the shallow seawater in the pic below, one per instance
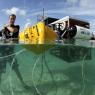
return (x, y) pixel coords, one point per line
(66, 68)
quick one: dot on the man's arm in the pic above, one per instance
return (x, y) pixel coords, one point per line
(1, 33)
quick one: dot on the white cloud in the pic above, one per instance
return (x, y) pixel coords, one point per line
(92, 23)
(22, 12)
(0, 27)
(81, 7)
(15, 10)
(87, 3)
(28, 23)
(82, 3)
(78, 8)
(72, 1)
(68, 11)
(28, 20)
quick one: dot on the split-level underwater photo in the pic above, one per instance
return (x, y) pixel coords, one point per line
(47, 47)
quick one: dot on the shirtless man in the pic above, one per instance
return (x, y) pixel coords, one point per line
(10, 31)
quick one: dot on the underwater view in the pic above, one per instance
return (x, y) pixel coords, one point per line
(47, 47)
(65, 68)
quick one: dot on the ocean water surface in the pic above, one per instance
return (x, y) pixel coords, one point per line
(63, 68)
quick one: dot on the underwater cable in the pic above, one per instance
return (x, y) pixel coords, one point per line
(10, 79)
(44, 63)
(11, 56)
(16, 53)
(34, 66)
(42, 69)
(50, 72)
(83, 75)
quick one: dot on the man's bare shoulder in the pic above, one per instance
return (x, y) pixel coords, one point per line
(5, 26)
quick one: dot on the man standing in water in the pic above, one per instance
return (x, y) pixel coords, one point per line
(10, 31)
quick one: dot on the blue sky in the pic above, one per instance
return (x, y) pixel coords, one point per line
(27, 10)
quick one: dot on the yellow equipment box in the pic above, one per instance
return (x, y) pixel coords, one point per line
(38, 34)
(38, 38)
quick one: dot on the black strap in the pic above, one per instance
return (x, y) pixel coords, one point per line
(37, 30)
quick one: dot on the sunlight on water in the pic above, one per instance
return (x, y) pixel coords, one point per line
(51, 69)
